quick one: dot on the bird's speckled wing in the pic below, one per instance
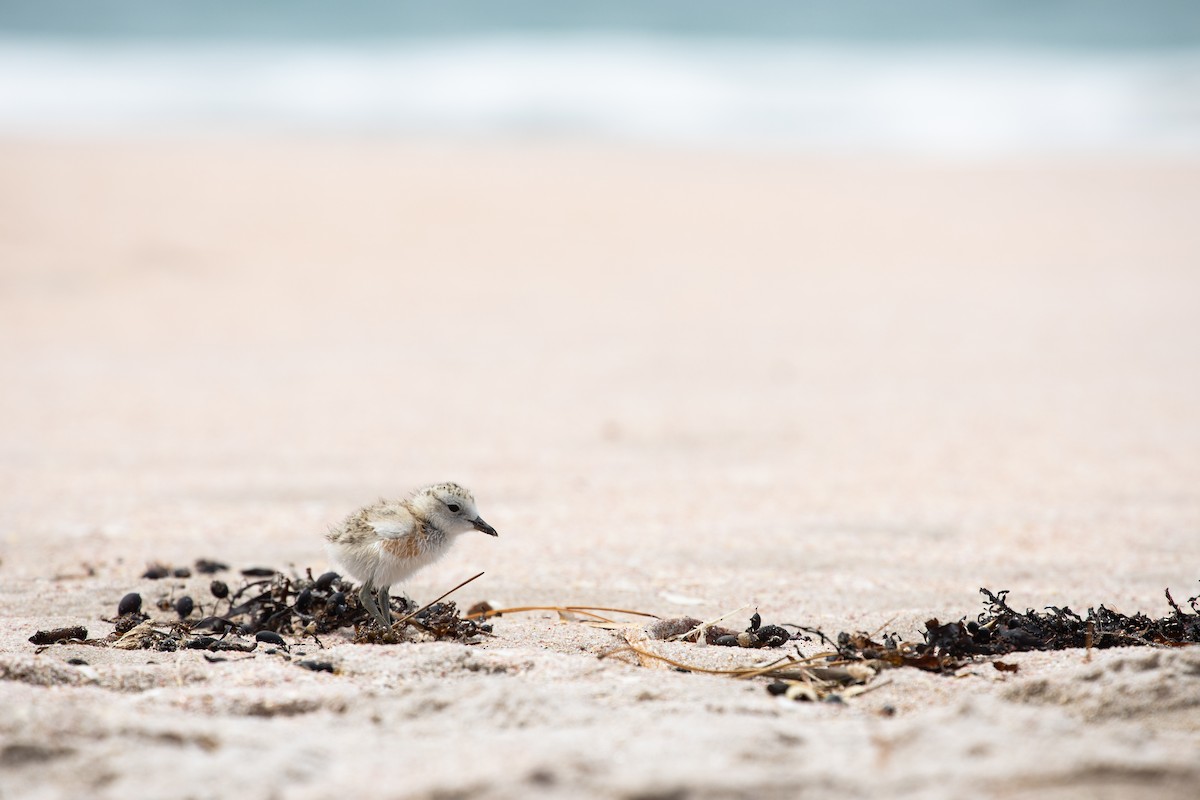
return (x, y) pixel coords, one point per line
(390, 528)
(382, 520)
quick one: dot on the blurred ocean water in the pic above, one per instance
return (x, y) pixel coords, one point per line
(923, 76)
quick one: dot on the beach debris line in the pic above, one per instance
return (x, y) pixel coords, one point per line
(851, 660)
(266, 605)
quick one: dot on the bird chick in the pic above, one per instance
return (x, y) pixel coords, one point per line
(385, 543)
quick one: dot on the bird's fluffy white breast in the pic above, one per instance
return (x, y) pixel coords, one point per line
(372, 563)
(390, 570)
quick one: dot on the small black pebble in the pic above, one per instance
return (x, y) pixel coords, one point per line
(184, 606)
(888, 711)
(271, 637)
(304, 601)
(317, 666)
(835, 699)
(207, 567)
(181, 572)
(730, 640)
(972, 626)
(336, 599)
(156, 572)
(983, 636)
(259, 572)
(777, 688)
(219, 589)
(79, 662)
(326, 581)
(130, 604)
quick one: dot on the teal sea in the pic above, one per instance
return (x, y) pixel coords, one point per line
(940, 77)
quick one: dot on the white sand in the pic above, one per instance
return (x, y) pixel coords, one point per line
(842, 393)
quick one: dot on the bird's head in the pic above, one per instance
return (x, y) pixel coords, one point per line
(451, 508)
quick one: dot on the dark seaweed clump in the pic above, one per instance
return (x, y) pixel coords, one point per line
(309, 606)
(1000, 629)
(1008, 630)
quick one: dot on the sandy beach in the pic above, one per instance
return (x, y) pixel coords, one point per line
(846, 393)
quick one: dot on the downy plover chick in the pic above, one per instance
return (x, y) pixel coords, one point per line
(385, 543)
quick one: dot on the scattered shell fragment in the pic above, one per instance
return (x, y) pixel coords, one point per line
(137, 638)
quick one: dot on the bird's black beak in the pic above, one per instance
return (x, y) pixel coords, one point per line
(483, 527)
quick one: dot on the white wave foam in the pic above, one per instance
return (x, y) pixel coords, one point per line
(672, 91)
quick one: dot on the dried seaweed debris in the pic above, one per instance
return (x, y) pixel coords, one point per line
(1000, 629)
(267, 603)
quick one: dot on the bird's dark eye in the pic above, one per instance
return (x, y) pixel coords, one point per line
(454, 509)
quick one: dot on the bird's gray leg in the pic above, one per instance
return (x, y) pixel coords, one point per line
(385, 605)
(368, 601)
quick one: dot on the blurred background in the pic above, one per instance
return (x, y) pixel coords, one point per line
(720, 301)
(931, 76)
